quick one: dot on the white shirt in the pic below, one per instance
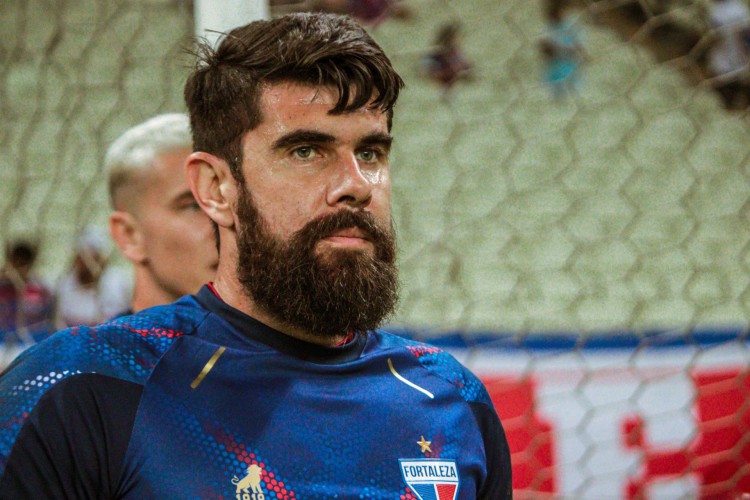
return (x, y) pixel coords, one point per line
(79, 305)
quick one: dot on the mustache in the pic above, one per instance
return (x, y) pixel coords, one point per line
(327, 225)
(383, 237)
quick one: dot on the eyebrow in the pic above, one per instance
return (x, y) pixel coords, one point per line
(377, 139)
(302, 137)
(313, 137)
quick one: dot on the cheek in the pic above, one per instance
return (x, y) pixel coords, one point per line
(287, 213)
(195, 232)
(378, 178)
(380, 204)
(168, 241)
(176, 233)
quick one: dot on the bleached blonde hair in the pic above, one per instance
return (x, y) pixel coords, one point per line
(137, 148)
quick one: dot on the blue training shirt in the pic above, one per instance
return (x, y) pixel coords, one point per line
(198, 400)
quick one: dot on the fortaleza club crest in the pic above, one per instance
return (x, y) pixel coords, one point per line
(431, 478)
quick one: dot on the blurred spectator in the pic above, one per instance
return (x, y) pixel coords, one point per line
(446, 63)
(562, 50)
(728, 56)
(373, 12)
(156, 222)
(367, 12)
(86, 294)
(26, 304)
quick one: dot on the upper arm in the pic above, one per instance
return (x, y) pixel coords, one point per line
(72, 444)
(498, 484)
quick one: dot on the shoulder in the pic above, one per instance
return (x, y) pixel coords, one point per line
(160, 325)
(126, 348)
(441, 364)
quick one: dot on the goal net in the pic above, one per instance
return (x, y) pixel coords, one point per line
(587, 254)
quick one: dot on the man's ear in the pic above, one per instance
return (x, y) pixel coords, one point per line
(213, 186)
(127, 235)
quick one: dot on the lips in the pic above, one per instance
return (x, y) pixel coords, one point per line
(351, 238)
(352, 232)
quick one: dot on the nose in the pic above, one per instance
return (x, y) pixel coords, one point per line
(350, 184)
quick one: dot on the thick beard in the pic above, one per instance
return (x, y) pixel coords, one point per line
(326, 295)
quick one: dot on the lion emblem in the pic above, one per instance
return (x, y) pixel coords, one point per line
(251, 482)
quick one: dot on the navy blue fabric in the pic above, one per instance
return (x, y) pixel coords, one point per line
(197, 400)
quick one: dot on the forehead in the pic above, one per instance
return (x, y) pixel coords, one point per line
(167, 171)
(297, 104)
(166, 162)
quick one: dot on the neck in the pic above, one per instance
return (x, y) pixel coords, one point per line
(231, 292)
(147, 293)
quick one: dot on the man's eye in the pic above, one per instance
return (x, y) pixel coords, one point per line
(368, 155)
(304, 152)
(192, 206)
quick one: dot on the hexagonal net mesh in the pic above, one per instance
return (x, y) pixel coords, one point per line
(581, 245)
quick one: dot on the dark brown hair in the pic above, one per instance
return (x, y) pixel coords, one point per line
(223, 91)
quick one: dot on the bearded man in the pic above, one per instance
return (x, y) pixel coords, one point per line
(273, 381)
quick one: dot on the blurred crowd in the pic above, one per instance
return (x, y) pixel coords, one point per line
(89, 292)
(444, 63)
(723, 39)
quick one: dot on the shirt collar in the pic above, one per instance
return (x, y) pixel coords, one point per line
(253, 329)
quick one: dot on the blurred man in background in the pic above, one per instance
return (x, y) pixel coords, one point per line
(446, 63)
(91, 291)
(156, 222)
(729, 55)
(26, 304)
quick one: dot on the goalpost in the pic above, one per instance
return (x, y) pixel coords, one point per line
(214, 17)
